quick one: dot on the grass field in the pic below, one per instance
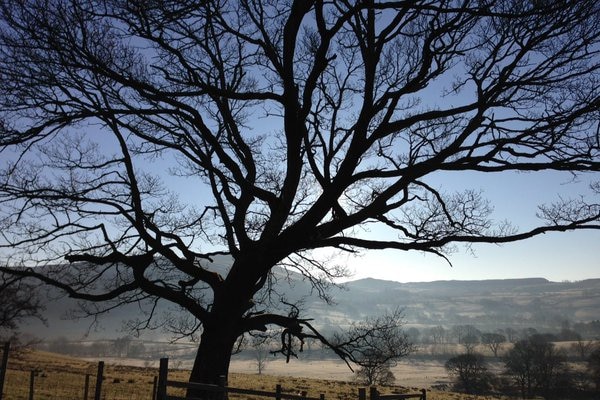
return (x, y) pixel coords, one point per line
(61, 377)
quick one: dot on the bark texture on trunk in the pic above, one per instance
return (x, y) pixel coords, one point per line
(223, 328)
(211, 364)
(219, 335)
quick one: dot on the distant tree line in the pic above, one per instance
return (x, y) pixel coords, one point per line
(124, 346)
(532, 367)
(470, 336)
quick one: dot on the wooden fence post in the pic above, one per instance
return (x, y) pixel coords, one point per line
(86, 387)
(31, 383)
(278, 392)
(99, 377)
(154, 387)
(223, 385)
(163, 372)
(4, 366)
(362, 394)
(424, 396)
(373, 394)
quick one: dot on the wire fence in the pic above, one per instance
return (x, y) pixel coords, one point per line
(68, 379)
(21, 381)
(26, 385)
(72, 386)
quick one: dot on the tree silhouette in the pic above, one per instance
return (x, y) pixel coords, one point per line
(593, 364)
(19, 302)
(493, 341)
(536, 366)
(142, 139)
(469, 372)
(375, 345)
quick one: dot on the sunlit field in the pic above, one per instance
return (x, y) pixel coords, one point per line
(61, 377)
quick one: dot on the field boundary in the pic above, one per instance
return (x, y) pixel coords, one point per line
(206, 392)
(97, 395)
(4, 366)
(220, 392)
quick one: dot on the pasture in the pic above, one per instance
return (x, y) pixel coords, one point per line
(62, 377)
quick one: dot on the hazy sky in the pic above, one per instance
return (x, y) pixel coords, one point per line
(555, 256)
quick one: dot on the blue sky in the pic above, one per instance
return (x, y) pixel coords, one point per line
(569, 256)
(555, 256)
(515, 197)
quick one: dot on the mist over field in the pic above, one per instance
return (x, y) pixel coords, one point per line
(488, 305)
(438, 316)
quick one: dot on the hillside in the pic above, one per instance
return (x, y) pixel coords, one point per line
(488, 304)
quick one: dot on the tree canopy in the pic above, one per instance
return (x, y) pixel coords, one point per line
(142, 139)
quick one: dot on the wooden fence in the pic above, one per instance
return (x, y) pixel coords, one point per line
(3, 366)
(220, 392)
(97, 395)
(213, 392)
(375, 395)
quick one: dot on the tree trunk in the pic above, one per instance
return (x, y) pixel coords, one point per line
(219, 335)
(211, 364)
(222, 329)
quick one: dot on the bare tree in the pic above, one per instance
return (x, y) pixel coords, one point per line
(142, 139)
(261, 359)
(593, 367)
(260, 347)
(470, 342)
(121, 346)
(511, 334)
(19, 302)
(439, 335)
(584, 347)
(536, 366)
(459, 332)
(493, 341)
(469, 372)
(375, 345)
(467, 335)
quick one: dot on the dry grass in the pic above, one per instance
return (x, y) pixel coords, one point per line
(61, 377)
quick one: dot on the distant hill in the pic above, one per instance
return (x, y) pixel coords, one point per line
(486, 304)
